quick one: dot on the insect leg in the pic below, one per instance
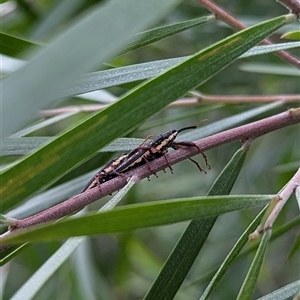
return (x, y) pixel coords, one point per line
(177, 145)
(198, 166)
(147, 162)
(153, 153)
(169, 166)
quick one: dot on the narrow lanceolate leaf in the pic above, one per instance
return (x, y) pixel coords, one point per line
(229, 122)
(82, 141)
(132, 73)
(293, 35)
(190, 243)
(40, 84)
(11, 252)
(156, 34)
(13, 46)
(249, 283)
(55, 18)
(41, 276)
(289, 291)
(295, 246)
(259, 50)
(276, 233)
(132, 217)
(232, 255)
(22, 146)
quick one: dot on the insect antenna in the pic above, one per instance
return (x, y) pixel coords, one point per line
(186, 128)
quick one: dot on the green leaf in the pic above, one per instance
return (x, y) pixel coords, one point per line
(62, 11)
(259, 50)
(12, 46)
(278, 232)
(247, 288)
(22, 146)
(232, 255)
(38, 279)
(229, 122)
(295, 246)
(41, 125)
(292, 35)
(74, 52)
(159, 33)
(81, 142)
(265, 68)
(132, 217)
(11, 252)
(187, 248)
(118, 76)
(284, 293)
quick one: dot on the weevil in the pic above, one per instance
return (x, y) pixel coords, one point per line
(157, 148)
(143, 154)
(109, 172)
(105, 174)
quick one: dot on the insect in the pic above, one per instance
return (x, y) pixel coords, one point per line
(105, 173)
(143, 154)
(108, 172)
(157, 148)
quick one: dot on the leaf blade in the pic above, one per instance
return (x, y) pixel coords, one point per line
(137, 216)
(40, 91)
(190, 243)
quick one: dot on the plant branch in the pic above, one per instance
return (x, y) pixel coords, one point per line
(189, 101)
(276, 206)
(292, 5)
(245, 132)
(284, 195)
(224, 16)
(244, 99)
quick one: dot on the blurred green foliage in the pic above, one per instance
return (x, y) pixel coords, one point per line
(124, 265)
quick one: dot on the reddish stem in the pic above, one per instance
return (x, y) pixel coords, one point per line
(249, 131)
(223, 15)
